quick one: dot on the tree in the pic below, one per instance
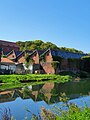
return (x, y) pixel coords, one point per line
(71, 50)
(38, 42)
(33, 47)
(48, 45)
(40, 45)
(85, 63)
(55, 65)
(28, 61)
(21, 45)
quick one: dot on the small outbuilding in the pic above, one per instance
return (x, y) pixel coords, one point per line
(7, 66)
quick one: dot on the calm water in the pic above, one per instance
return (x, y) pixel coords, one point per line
(43, 95)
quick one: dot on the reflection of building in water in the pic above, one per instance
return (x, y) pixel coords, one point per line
(49, 92)
(7, 96)
(10, 95)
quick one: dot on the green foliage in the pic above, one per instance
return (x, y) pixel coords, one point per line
(30, 45)
(4, 56)
(28, 61)
(38, 42)
(48, 45)
(88, 54)
(17, 81)
(71, 50)
(82, 74)
(75, 113)
(21, 45)
(64, 98)
(42, 58)
(27, 57)
(32, 77)
(47, 114)
(40, 45)
(85, 57)
(55, 65)
(6, 114)
(85, 63)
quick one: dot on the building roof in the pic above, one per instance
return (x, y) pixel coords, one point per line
(16, 52)
(64, 54)
(7, 43)
(6, 60)
(4, 53)
(67, 55)
(40, 52)
(23, 52)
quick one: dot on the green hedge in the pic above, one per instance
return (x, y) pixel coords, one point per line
(32, 78)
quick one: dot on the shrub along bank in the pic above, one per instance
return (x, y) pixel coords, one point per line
(73, 113)
(33, 78)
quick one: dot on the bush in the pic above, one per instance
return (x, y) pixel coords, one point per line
(67, 73)
(82, 74)
(32, 77)
(75, 113)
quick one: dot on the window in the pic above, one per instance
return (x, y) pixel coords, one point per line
(35, 54)
(47, 54)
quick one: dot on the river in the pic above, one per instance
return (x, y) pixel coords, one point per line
(47, 95)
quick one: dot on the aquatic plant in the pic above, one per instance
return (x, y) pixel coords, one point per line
(6, 114)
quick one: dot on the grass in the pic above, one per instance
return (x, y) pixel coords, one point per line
(32, 77)
(15, 81)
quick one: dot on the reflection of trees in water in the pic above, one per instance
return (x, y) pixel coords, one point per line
(49, 92)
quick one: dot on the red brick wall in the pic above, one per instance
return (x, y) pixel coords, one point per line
(47, 67)
(48, 57)
(12, 56)
(73, 66)
(21, 59)
(64, 64)
(35, 57)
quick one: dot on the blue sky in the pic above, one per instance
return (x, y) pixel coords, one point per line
(63, 22)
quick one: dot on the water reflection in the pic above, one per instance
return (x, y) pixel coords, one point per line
(49, 92)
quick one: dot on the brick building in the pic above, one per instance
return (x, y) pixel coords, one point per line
(35, 56)
(8, 46)
(68, 61)
(12, 55)
(0, 54)
(21, 57)
(42, 60)
(7, 66)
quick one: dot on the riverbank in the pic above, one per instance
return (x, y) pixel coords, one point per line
(73, 113)
(32, 78)
(15, 81)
